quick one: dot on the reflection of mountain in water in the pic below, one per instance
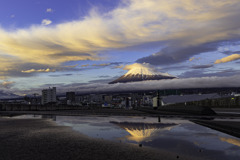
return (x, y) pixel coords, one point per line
(143, 131)
(235, 142)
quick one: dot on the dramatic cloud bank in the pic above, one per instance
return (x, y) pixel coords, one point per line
(103, 87)
(189, 27)
(204, 82)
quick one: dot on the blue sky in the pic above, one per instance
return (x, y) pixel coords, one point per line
(75, 42)
(24, 13)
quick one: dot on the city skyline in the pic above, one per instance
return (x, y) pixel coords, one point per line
(77, 45)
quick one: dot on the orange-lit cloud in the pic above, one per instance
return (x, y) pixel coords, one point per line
(72, 66)
(228, 58)
(85, 65)
(103, 64)
(39, 70)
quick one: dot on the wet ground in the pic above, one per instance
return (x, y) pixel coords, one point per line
(171, 134)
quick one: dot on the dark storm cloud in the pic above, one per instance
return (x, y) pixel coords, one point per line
(174, 68)
(145, 46)
(171, 55)
(60, 75)
(196, 41)
(230, 52)
(202, 66)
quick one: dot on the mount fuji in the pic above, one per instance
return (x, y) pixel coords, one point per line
(142, 73)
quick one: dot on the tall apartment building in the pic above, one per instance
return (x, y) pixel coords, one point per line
(49, 95)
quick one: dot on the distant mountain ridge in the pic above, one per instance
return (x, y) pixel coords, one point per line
(142, 73)
(7, 95)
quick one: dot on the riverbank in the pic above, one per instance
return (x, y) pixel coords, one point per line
(43, 139)
(124, 112)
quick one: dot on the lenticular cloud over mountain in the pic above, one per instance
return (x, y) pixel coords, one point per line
(141, 72)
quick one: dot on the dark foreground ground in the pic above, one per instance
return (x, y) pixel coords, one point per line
(38, 139)
(229, 127)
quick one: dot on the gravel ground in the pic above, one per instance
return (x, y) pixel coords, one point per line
(38, 139)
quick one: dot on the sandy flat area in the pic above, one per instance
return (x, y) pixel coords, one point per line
(40, 139)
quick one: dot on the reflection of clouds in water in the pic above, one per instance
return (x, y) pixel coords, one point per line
(105, 129)
(233, 150)
(199, 135)
(196, 143)
(103, 124)
(182, 136)
(192, 126)
(231, 141)
(206, 134)
(189, 129)
(182, 146)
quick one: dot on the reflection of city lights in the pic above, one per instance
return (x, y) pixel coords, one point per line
(231, 141)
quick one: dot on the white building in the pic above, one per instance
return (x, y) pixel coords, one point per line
(49, 95)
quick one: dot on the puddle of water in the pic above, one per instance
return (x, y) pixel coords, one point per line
(178, 135)
(175, 134)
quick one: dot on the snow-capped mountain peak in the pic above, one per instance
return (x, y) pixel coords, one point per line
(141, 72)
